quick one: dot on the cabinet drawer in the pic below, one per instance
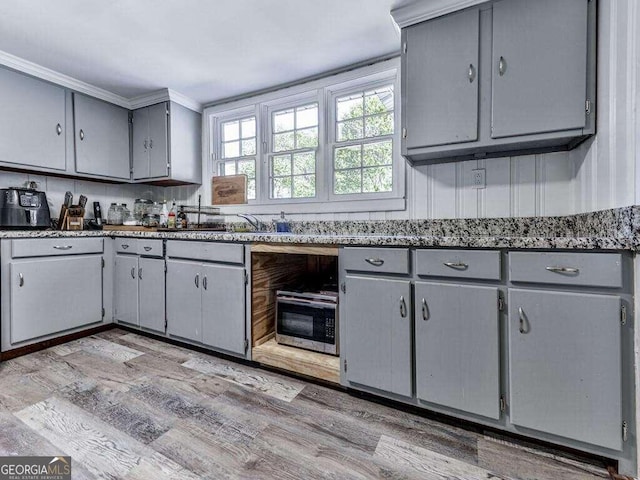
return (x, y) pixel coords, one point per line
(149, 248)
(382, 260)
(483, 264)
(126, 245)
(206, 251)
(44, 247)
(587, 269)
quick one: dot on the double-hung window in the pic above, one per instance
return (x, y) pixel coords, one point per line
(238, 148)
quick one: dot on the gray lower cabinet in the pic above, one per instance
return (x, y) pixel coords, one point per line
(151, 291)
(184, 300)
(457, 334)
(33, 122)
(565, 365)
(101, 138)
(378, 333)
(125, 305)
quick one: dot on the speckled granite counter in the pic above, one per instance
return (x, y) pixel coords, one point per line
(616, 229)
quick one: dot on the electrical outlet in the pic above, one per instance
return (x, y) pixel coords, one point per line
(478, 179)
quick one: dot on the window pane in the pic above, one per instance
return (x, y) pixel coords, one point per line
(249, 127)
(281, 187)
(378, 101)
(283, 141)
(251, 189)
(304, 186)
(231, 150)
(248, 167)
(349, 107)
(350, 130)
(378, 125)
(307, 116)
(379, 153)
(249, 147)
(230, 131)
(347, 157)
(283, 120)
(304, 163)
(281, 165)
(227, 168)
(307, 138)
(348, 181)
(377, 179)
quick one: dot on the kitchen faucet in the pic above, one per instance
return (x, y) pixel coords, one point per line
(252, 220)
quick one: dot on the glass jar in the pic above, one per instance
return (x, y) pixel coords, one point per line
(114, 214)
(141, 207)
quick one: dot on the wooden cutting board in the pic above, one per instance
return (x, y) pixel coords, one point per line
(229, 190)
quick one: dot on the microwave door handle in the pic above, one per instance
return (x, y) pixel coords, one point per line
(302, 303)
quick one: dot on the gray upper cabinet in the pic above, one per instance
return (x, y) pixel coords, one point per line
(33, 122)
(539, 66)
(457, 347)
(565, 365)
(504, 78)
(101, 138)
(378, 333)
(167, 144)
(441, 80)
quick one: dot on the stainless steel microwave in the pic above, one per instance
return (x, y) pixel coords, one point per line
(308, 320)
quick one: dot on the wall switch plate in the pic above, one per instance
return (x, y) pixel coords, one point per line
(478, 179)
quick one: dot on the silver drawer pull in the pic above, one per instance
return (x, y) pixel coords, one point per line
(133, 272)
(502, 66)
(524, 322)
(456, 265)
(140, 273)
(403, 307)
(21, 279)
(125, 246)
(59, 129)
(146, 249)
(557, 269)
(376, 262)
(63, 247)
(471, 74)
(197, 280)
(425, 310)
(204, 282)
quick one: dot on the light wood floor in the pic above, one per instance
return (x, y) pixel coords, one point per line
(126, 406)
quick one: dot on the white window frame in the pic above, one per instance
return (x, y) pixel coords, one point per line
(324, 91)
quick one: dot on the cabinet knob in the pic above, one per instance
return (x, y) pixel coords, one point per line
(456, 265)
(124, 246)
(146, 249)
(151, 143)
(567, 270)
(21, 279)
(403, 307)
(502, 66)
(59, 129)
(524, 322)
(425, 310)
(140, 273)
(81, 134)
(376, 262)
(145, 144)
(471, 73)
(204, 282)
(133, 272)
(197, 280)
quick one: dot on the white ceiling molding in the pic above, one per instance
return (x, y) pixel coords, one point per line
(38, 71)
(421, 11)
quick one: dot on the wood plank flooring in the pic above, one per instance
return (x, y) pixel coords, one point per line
(125, 406)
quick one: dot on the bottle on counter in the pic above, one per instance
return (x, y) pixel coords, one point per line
(171, 218)
(164, 214)
(282, 225)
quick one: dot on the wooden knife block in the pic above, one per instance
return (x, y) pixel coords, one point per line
(71, 218)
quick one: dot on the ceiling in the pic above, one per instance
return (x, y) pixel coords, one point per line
(205, 49)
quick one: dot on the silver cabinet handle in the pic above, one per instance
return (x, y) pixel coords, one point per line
(403, 307)
(146, 249)
(140, 273)
(81, 134)
(456, 265)
(125, 246)
(557, 269)
(59, 129)
(197, 280)
(204, 282)
(472, 73)
(524, 322)
(425, 310)
(21, 279)
(151, 143)
(63, 247)
(376, 262)
(145, 143)
(133, 272)
(502, 66)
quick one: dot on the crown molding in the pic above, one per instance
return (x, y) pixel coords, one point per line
(422, 10)
(33, 69)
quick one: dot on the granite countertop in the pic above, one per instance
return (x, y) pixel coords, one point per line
(615, 229)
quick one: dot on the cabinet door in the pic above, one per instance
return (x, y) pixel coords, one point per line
(126, 289)
(378, 330)
(539, 66)
(442, 80)
(51, 295)
(32, 124)
(101, 138)
(565, 365)
(140, 143)
(152, 293)
(223, 307)
(158, 141)
(184, 309)
(457, 347)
